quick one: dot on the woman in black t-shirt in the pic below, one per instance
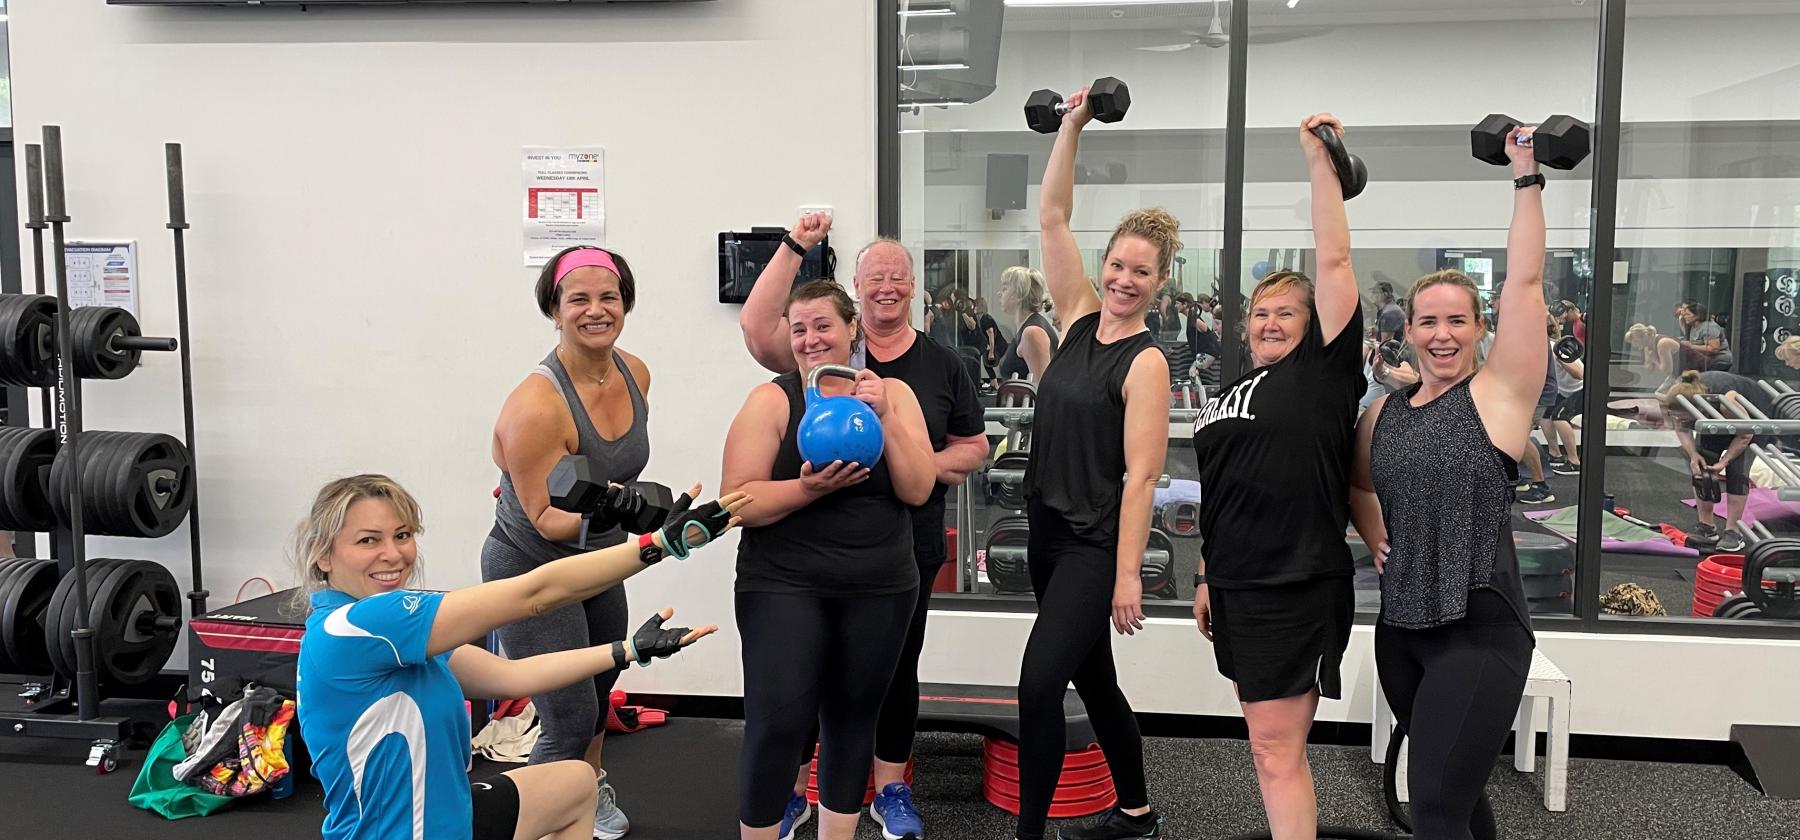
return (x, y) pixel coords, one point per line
(1432, 493)
(1274, 594)
(826, 582)
(1101, 422)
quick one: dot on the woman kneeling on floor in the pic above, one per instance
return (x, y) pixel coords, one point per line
(384, 669)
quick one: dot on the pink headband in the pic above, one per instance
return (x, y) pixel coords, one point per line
(584, 258)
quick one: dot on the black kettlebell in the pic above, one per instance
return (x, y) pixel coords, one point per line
(1352, 174)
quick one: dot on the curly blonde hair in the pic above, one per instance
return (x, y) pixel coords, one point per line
(1156, 226)
(1027, 285)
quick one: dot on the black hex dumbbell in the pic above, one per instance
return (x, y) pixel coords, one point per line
(1568, 350)
(1108, 99)
(1560, 142)
(639, 507)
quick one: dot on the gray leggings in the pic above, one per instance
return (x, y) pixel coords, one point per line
(569, 717)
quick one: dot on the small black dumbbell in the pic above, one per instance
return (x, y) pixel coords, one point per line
(1568, 350)
(1560, 142)
(1390, 352)
(1108, 99)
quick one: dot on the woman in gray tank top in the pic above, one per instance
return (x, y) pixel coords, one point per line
(586, 398)
(1432, 491)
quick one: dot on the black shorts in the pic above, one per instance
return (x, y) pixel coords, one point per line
(1737, 473)
(495, 815)
(1567, 408)
(1283, 641)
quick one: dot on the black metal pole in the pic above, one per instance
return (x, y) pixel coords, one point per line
(177, 228)
(1231, 261)
(87, 692)
(887, 118)
(34, 220)
(1592, 492)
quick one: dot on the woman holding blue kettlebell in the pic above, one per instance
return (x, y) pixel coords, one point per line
(826, 582)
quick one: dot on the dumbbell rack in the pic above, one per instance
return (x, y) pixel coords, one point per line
(1715, 415)
(49, 715)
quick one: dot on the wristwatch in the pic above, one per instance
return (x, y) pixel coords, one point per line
(788, 240)
(1535, 178)
(1199, 581)
(648, 551)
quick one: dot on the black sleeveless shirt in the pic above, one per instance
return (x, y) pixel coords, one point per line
(1014, 365)
(852, 543)
(1273, 449)
(1077, 465)
(1446, 495)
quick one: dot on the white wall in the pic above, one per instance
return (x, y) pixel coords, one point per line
(358, 300)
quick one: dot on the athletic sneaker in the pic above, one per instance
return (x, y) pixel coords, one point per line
(1565, 468)
(1115, 825)
(893, 810)
(1730, 541)
(798, 812)
(1539, 494)
(609, 822)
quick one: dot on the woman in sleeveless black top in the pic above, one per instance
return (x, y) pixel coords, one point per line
(1273, 449)
(1022, 295)
(1100, 435)
(587, 398)
(1435, 470)
(826, 582)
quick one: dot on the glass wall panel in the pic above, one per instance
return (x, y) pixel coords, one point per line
(1704, 282)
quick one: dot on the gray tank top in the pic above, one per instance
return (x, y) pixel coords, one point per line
(1446, 495)
(619, 461)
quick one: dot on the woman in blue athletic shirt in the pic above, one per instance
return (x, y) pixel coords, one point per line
(384, 669)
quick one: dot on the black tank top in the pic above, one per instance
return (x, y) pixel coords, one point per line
(852, 543)
(1273, 450)
(1014, 365)
(1446, 495)
(1077, 465)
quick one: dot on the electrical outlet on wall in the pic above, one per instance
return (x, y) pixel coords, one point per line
(816, 208)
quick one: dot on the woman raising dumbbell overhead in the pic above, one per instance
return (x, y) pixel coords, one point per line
(1275, 595)
(586, 398)
(380, 660)
(1432, 494)
(1100, 435)
(1022, 296)
(826, 581)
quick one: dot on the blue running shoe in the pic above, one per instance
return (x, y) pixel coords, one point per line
(798, 812)
(893, 810)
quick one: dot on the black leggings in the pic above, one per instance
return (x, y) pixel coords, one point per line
(1071, 641)
(1456, 689)
(812, 660)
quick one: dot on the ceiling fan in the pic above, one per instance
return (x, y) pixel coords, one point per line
(1215, 35)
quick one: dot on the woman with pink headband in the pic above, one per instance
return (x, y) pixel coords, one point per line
(586, 398)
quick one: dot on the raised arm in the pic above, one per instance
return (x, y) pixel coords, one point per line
(483, 675)
(1063, 269)
(1335, 292)
(764, 328)
(1507, 389)
(1146, 448)
(466, 615)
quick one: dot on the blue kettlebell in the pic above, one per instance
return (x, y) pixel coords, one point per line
(840, 428)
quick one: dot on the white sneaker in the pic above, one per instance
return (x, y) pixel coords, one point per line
(609, 822)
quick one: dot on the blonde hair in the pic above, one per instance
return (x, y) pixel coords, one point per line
(1447, 277)
(313, 537)
(1156, 226)
(1788, 348)
(1640, 335)
(1027, 285)
(1688, 386)
(1282, 281)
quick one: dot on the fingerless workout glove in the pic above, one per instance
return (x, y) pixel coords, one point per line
(690, 529)
(651, 641)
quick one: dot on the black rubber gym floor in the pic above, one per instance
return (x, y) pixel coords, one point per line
(679, 782)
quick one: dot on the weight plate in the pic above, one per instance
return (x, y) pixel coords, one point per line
(60, 620)
(24, 500)
(133, 484)
(92, 330)
(24, 602)
(27, 325)
(1781, 601)
(8, 569)
(97, 583)
(130, 648)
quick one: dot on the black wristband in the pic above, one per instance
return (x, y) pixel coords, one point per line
(620, 660)
(788, 240)
(1199, 581)
(1535, 179)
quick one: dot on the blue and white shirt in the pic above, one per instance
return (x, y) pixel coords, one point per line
(385, 723)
